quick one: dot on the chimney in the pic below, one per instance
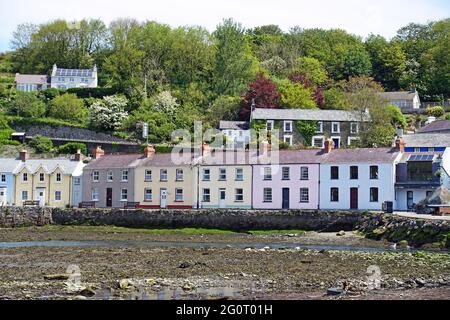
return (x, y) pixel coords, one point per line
(149, 151)
(205, 148)
(24, 155)
(78, 156)
(54, 70)
(431, 119)
(265, 147)
(98, 152)
(400, 144)
(328, 145)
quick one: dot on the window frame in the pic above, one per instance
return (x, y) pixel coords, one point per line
(331, 173)
(331, 194)
(266, 199)
(301, 195)
(371, 177)
(148, 199)
(302, 169)
(237, 194)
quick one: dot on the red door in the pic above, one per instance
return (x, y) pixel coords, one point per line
(354, 198)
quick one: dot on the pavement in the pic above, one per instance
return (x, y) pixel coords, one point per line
(421, 216)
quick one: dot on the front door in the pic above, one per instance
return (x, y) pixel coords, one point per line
(336, 143)
(3, 197)
(40, 196)
(222, 197)
(285, 198)
(354, 198)
(410, 200)
(109, 197)
(163, 200)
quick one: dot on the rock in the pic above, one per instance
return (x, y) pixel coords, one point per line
(124, 284)
(150, 282)
(61, 276)
(188, 286)
(340, 233)
(334, 292)
(266, 248)
(403, 243)
(87, 292)
(79, 298)
(185, 265)
(420, 282)
(291, 235)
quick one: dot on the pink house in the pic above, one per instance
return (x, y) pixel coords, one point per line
(290, 183)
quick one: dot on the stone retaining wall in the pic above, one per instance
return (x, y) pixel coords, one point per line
(24, 216)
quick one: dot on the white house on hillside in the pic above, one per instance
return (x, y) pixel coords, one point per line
(31, 82)
(403, 99)
(73, 78)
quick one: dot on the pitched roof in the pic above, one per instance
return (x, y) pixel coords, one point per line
(307, 114)
(67, 166)
(73, 73)
(224, 157)
(233, 125)
(9, 165)
(309, 156)
(398, 95)
(360, 155)
(435, 126)
(427, 140)
(115, 161)
(31, 78)
(426, 156)
(167, 159)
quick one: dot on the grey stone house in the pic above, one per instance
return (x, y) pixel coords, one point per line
(341, 126)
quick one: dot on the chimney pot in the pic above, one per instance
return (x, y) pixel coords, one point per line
(149, 151)
(24, 155)
(98, 152)
(78, 156)
(400, 144)
(206, 148)
(328, 145)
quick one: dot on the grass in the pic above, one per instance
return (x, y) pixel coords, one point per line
(112, 229)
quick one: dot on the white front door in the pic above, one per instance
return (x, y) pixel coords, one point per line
(40, 196)
(163, 200)
(3, 201)
(222, 197)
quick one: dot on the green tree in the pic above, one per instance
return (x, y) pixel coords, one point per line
(27, 104)
(108, 113)
(224, 108)
(41, 144)
(295, 96)
(68, 107)
(335, 98)
(312, 69)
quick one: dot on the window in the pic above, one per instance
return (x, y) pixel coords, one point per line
(206, 195)
(267, 173)
(319, 127)
(77, 181)
(24, 195)
(317, 142)
(287, 126)
(148, 195)
(267, 194)
(57, 195)
(269, 125)
(354, 127)
(352, 141)
(25, 177)
(123, 194)
(41, 177)
(109, 176)
(287, 139)
(304, 173)
(179, 195)
(334, 195)
(335, 127)
(124, 175)
(304, 195)
(334, 173)
(373, 194)
(353, 173)
(3, 177)
(163, 175)
(239, 195)
(374, 172)
(148, 175)
(222, 174)
(285, 173)
(206, 174)
(239, 174)
(94, 194)
(95, 176)
(58, 177)
(179, 175)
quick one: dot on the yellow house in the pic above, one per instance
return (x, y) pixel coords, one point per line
(52, 182)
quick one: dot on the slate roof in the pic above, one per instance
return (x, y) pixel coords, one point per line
(311, 156)
(8, 165)
(427, 140)
(167, 159)
(435, 126)
(67, 166)
(31, 78)
(219, 157)
(398, 95)
(115, 161)
(234, 125)
(360, 155)
(307, 114)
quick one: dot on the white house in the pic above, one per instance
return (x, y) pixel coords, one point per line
(31, 82)
(237, 133)
(357, 179)
(73, 78)
(403, 99)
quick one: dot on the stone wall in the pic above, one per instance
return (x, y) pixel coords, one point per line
(24, 216)
(238, 220)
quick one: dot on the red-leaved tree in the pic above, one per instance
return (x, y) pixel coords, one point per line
(263, 93)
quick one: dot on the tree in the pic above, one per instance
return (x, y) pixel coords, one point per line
(27, 104)
(108, 113)
(354, 62)
(316, 91)
(68, 107)
(41, 144)
(312, 69)
(72, 148)
(263, 93)
(224, 108)
(295, 96)
(165, 102)
(335, 99)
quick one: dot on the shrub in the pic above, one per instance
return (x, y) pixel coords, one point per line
(27, 104)
(41, 144)
(72, 147)
(26, 122)
(68, 107)
(163, 149)
(437, 111)
(108, 113)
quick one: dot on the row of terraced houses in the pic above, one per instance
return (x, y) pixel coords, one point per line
(326, 178)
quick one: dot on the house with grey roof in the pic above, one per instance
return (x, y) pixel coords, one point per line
(402, 99)
(438, 126)
(341, 126)
(73, 78)
(237, 133)
(31, 82)
(7, 169)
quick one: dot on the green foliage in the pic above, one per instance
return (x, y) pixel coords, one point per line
(41, 144)
(27, 104)
(224, 108)
(163, 148)
(108, 113)
(3, 122)
(437, 111)
(68, 107)
(97, 93)
(5, 134)
(307, 129)
(26, 122)
(335, 99)
(295, 96)
(72, 147)
(312, 69)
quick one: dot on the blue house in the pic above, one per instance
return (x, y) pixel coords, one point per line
(7, 167)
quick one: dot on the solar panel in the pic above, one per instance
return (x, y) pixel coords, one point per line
(421, 157)
(74, 73)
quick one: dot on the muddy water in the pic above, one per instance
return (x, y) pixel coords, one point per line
(212, 245)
